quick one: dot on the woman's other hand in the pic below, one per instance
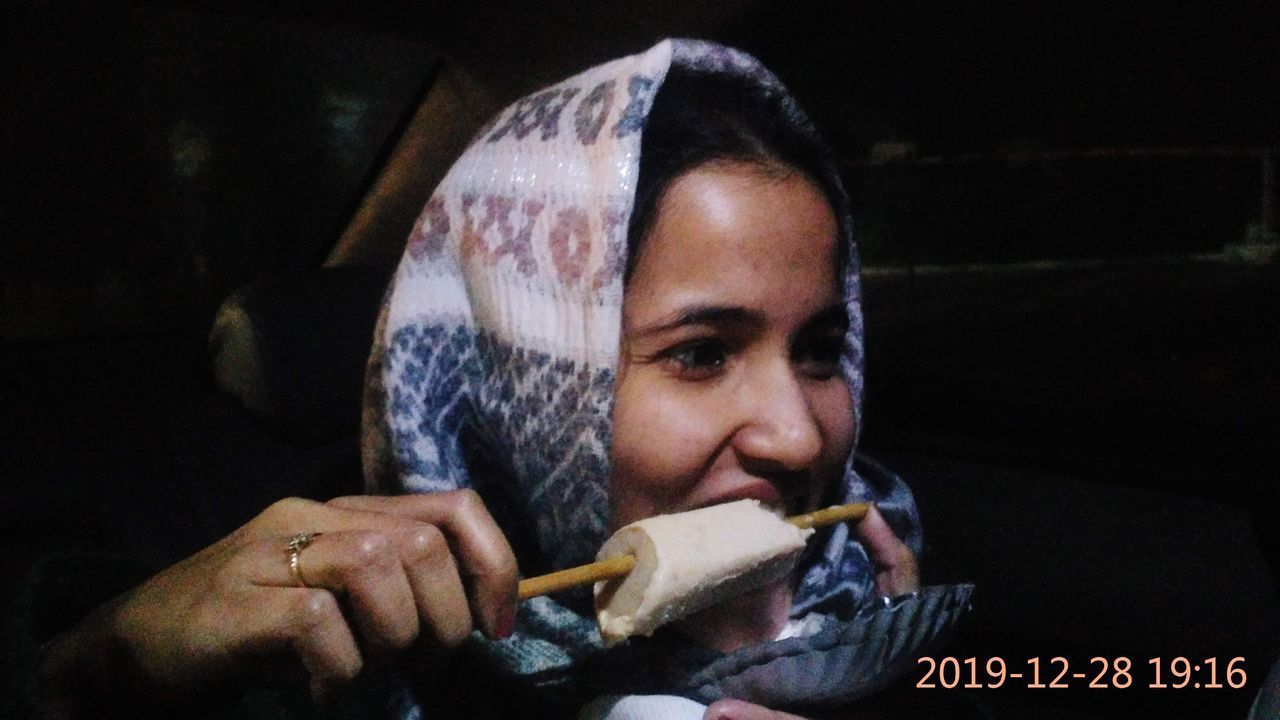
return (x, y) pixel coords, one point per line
(897, 572)
(383, 574)
(740, 710)
(729, 709)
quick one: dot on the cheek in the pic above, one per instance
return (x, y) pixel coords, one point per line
(833, 407)
(661, 441)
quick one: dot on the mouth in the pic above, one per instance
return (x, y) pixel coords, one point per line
(786, 499)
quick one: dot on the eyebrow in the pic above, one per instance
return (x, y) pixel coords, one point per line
(706, 315)
(834, 314)
(732, 315)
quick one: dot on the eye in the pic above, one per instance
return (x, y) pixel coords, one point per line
(819, 356)
(698, 359)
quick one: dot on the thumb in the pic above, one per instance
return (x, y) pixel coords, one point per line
(895, 564)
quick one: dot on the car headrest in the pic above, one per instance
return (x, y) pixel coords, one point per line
(292, 350)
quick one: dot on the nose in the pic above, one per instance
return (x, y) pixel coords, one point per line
(779, 430)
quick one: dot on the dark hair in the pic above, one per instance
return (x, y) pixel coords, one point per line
(699, 118)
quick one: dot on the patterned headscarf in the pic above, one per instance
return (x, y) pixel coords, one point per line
(495, 356)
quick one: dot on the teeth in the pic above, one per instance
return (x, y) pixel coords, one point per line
(689, 561)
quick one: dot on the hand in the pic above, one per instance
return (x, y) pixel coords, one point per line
(729, 709)
(384, 573)
(740, 710)
(897, 572)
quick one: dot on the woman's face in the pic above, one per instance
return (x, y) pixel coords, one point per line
(729, 383)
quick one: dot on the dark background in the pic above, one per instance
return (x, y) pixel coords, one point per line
(1049, 200)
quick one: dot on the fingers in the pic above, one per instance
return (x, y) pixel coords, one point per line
(897, 572)
(365, 568)
(487, 564)
(310, 622)
(387, 587)
(437, 586)
(386, 555)
(740, 710)
(323, 642)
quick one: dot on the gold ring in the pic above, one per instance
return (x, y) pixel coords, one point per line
(295, 546)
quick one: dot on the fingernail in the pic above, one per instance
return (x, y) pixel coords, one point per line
(507, 622)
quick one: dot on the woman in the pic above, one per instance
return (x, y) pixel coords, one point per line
(575, 339)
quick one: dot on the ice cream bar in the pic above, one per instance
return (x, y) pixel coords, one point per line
(691, 560)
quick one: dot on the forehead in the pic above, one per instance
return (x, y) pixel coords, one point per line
(741, 233)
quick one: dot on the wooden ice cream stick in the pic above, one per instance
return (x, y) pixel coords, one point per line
(615, 567)
(581, 575)
(830, 516)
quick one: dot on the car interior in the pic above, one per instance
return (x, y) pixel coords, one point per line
(1068, 224)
